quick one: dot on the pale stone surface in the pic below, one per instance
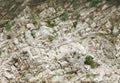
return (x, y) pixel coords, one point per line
(30, 26)
(37, 53)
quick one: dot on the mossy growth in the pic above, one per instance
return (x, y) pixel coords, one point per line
(91, 75)
(94, 3)
(51, 38)
(89, 61)
(0, 52)
(75, 4)
(8, 27)
(64, 16)
(50, 23)
(33, 34)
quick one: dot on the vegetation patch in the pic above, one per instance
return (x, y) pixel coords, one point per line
(94, 3)
(50, 23)
(89, 61)
(0, 52)
(64, 17)
(8, 27)
(33, 34)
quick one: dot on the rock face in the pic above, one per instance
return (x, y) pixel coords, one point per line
(49, 43)
(102, 43)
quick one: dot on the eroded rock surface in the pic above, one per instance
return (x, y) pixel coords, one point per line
(48, 43)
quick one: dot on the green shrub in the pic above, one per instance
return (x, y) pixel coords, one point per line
(64, 17)
(89, 61)
(94, 3)
(8, 27)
